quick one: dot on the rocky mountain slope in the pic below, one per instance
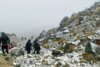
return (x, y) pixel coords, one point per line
(80, 26)
(80, 32)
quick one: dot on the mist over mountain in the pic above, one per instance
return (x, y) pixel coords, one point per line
(30, 18)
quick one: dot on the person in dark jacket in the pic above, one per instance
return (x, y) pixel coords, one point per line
(36, 47)
(5, 41)
(28, 46)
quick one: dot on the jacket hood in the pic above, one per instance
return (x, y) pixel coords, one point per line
(3, 34)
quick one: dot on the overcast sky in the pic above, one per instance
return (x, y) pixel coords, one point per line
(30, 17)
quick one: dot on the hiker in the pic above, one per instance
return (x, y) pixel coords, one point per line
(28, 46)
(5, 41)
(10, 46)
(36, 46)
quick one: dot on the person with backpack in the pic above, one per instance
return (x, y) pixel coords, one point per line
(5, 41)
(28, 46)
(36, 47)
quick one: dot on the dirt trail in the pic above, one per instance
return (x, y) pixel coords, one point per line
(5, 61)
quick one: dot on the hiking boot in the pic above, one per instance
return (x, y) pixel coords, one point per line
(4, 54)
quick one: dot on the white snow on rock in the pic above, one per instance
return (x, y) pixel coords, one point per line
(98, 31)
(76, 42)
(94, 46)
(66, 31)
(93, 37)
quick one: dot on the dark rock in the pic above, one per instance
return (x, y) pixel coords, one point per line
(73, 16)
(7, 58)
(97, 23)
(98, 51)
(91, 12)
(64, 21)
(95, 40)
(79, 22)
(88, 48)
(67, 47)
(80, 19)
(60, 29)
(70, 26)
(84, 41)
(98, 13)
(56, 52)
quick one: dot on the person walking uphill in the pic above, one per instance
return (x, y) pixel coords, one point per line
(36, 47)
(28, 46)
(5, 41)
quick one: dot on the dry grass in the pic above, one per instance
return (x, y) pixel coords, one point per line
(80, 43)
(74, 34)
(45, 41)
(54, 40)
(5, 63)
(89, 34)
(71, 47)
(60, 41)
(42, 45)
(45, 46)
(89, 57)
(58, 64)
(43, 61)
(78, 37)
(60, 48)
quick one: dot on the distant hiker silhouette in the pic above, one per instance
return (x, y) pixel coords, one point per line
(28, 46)
(5, 41)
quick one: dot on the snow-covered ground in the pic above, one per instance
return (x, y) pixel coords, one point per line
(46, 59)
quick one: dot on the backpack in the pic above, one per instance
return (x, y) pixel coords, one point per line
(10, 47)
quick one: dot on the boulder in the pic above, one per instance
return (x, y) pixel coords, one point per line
(70, 26)
(69, 47)
(80, 21)
(91, 12)
(88, 48)
(73, 16)
(98, 13)
(98, 23)
(95, 40)
(8, 34)
(13, 34)
(56, 52)
(60, 29)
(97, 51)
(64, 21)
(84, 41)
(16, 52)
